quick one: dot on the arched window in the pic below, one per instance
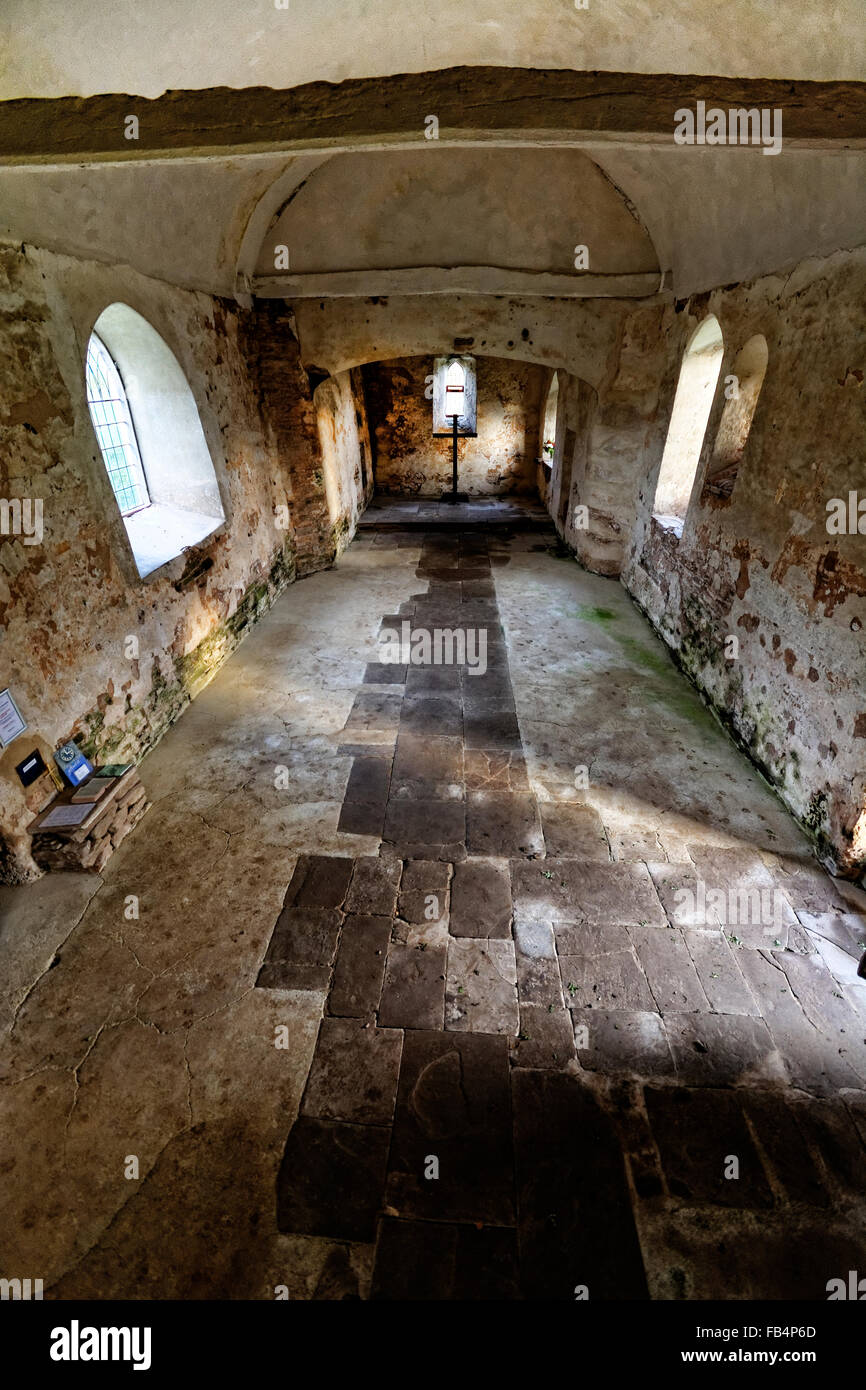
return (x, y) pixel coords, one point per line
(115, 432)
(748, 377)
(696, 389)
(151, 440)
(455, 388)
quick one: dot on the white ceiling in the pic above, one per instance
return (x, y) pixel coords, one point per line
(51, 49)
(713, 215)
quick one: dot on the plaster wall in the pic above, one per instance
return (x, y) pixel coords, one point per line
(81, 48)
(450, 206)
(345, 444)
(580, 335)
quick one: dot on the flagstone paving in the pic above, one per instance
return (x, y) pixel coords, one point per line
(566, 960)
(441, 985)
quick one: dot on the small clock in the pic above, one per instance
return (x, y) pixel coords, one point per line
(72, 763)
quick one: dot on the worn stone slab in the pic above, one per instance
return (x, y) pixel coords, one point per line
(427, 767)
(286, 974)
(436, 1261)
(431, 715)
(331, 1179)
(481, 988)
(830, 1127)
(450, 852)
(534, 940)
(719, 973)
(384, 673)
(546, 1037)
(844, 968)
(847, 930)
(756, 910)
(374, 711)
(493, 686)
(360, 966)
(362, 818)
(368, 782)
(811, 1056)
(631, 843)
(574, 1208)
(319, 880)
(428, 680)
(502, 824)
(453, 1104)
(491, 728)
(808, 888)
(538, 981)
(573, 832)
(685, 905)
(423, 821)
(669, 969)
(495, 770)
(793, 1168)
(616, 1041)
(414, 991)
(697, 1133)
(422, 882)
(373, 890)
(625, 1097)
(825, 1003)
(590, 938)
(481, 899)
(305, 935)
(570, 890)
(723, 1050)
(354, 1073)
(608, 978)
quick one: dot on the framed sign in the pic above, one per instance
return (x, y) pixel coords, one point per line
(12, 722)
(31, 768)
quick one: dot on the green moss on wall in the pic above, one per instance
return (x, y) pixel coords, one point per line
(144, 724)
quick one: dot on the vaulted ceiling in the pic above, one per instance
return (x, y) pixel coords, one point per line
(575, 147)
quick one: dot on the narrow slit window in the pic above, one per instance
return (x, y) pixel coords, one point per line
(115, 432)
(548, 442)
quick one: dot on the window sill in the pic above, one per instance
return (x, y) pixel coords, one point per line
(160, 533)
(673, 525)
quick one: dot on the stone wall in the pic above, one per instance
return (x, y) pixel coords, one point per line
(409, 461)
(602, 433)
(90, 650)
(761, 566)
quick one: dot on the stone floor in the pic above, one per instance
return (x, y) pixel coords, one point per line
(418, 982)
(472, 511)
